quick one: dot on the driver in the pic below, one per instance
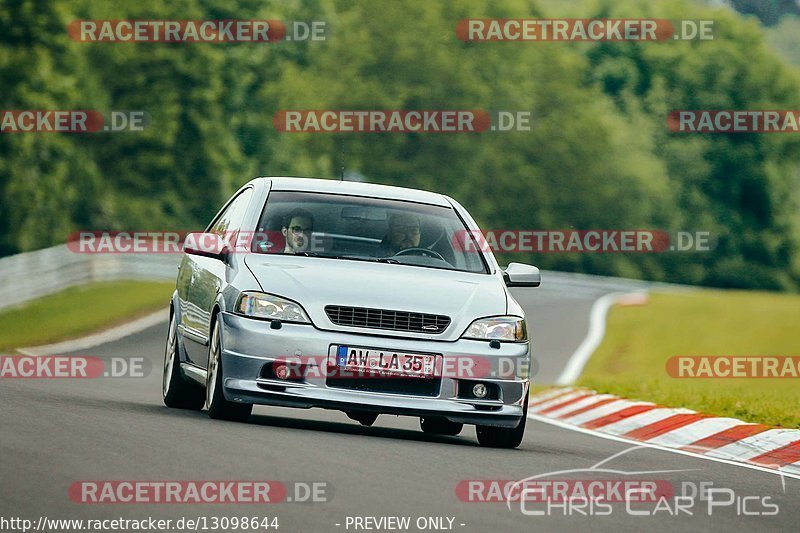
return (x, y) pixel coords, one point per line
(404, 232)
(297, 228)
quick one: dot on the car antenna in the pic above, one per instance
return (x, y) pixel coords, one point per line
(341, 177)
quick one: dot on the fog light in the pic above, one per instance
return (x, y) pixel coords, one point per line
(281, 371)
(479, 390)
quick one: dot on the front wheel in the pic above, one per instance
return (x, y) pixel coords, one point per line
(218, 407)
(494, 437)
(176, 391)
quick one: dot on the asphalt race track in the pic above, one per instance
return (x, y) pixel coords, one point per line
(56, 432)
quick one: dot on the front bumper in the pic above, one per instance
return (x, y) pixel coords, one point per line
(248, 344)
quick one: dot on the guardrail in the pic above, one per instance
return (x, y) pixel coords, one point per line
(35, 274)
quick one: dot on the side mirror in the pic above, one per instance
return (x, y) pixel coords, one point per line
(205, 244)
(520, 275)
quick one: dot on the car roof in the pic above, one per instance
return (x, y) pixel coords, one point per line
(356, 189)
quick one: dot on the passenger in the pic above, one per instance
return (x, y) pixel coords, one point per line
(297, 228)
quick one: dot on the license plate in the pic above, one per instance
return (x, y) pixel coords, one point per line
(385, 362)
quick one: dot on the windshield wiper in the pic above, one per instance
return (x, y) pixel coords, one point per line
(351, 257)
(370, 259)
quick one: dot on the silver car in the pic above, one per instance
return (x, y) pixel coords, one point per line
(363, 298)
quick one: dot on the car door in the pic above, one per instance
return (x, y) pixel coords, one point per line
(208, 276)
(186, 274)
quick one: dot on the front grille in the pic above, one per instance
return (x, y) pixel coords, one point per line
(362, 317)
(395, 385)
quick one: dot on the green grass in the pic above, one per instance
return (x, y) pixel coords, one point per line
(79, 310)
(631, 359)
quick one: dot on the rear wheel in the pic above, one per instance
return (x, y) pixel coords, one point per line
(494, 437)
(218, 406)
(176, 391)
(436, 425)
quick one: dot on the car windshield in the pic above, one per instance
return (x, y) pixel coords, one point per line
(367, 229)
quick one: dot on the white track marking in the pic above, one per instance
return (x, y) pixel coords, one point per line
(755, 445)
(603, 410)
(559, 399)
(786, 472)
(642, 419)
(597, 329)
(96, 339)
(695, 431)
(578, 405)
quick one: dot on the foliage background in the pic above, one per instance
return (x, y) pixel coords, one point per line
(599, 155)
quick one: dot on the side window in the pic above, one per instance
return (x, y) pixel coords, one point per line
(231, 218)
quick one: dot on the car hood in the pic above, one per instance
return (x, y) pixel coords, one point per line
(316, 282)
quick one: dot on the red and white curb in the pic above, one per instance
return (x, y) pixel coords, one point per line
(726, 439)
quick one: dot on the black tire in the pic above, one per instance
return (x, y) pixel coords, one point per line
(436, 425)
(176, 391)
(218, 407)
(494, 437)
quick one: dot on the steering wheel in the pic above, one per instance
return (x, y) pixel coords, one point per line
(426, 252)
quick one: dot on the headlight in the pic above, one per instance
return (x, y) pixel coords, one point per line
(502, 328)
(260, 305)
